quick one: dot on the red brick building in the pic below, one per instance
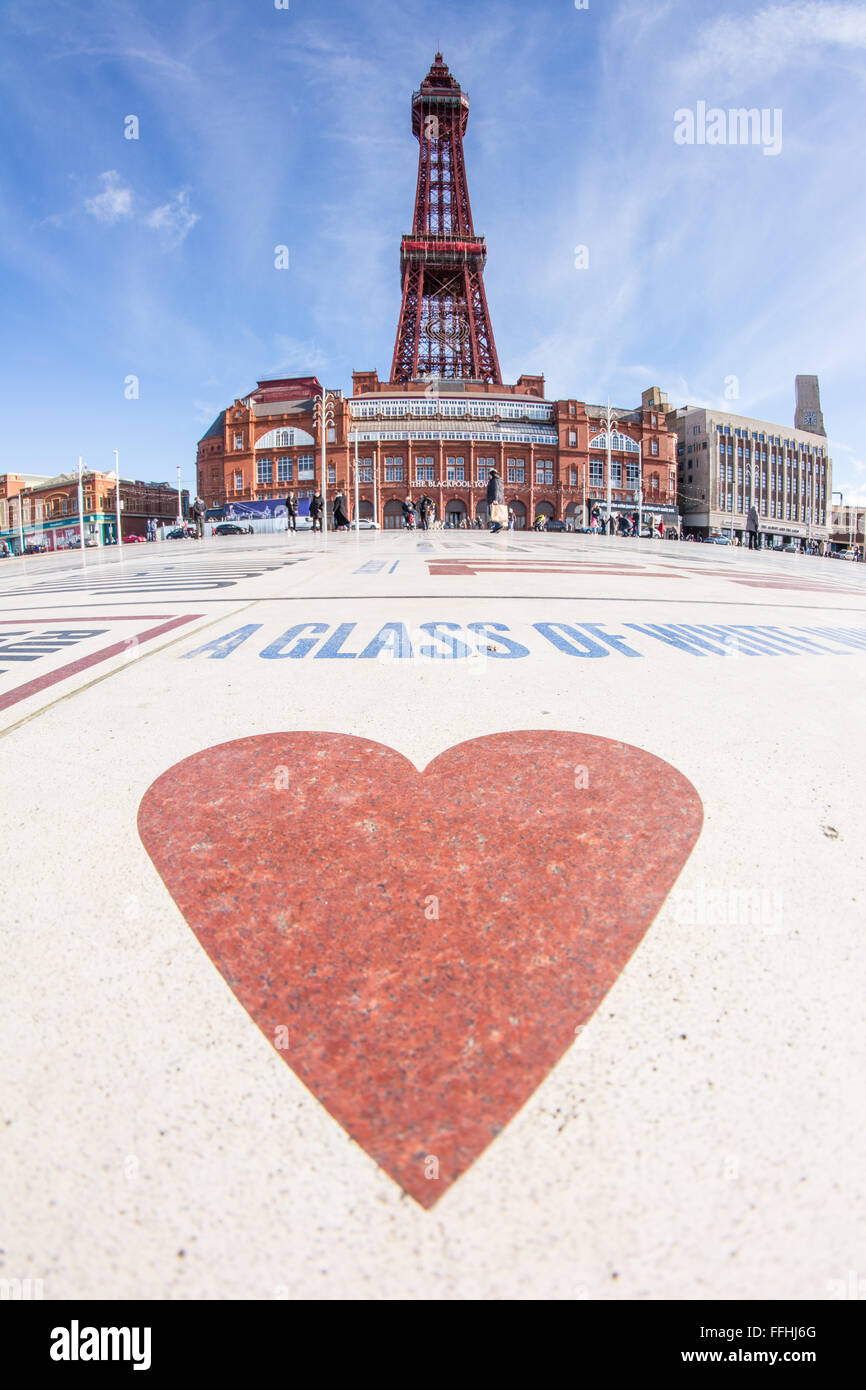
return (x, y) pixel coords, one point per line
(45, 510)
(440, 438)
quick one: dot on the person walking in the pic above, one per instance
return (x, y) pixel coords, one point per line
(752, 528)
(408, 509)
(291, 514)
(317, 506)
(198, 511)
(341, 515)
(496, 501)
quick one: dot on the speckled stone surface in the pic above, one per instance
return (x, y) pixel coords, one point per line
(421, 947)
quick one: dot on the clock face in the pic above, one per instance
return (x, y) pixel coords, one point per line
(811, 418)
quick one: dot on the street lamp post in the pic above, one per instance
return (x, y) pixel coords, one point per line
(323, 412)
(357, 481)
(179, 503)
(21, 523)
(639, 490)
(609, 481)
(117, 495)
(81, 502)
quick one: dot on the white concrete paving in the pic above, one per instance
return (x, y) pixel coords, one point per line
(702, 1136)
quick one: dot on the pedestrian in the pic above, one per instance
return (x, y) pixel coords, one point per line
(317, 506)
(291, 514)
(510, 519)
(341, 515)
(496, 509)
(635, 524)
(408, 509)
(752, 528)
(198, 511)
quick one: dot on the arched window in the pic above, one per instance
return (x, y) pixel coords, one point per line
(620, 442)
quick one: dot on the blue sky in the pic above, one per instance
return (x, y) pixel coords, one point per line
(261, 127)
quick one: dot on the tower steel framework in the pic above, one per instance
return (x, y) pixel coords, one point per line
(444, 328)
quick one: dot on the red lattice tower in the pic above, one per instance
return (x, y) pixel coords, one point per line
(444, 328)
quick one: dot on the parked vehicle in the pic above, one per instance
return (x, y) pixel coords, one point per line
(364, 523)
(555, 525)
(849, 554)
(791, 548)
(133, 540)
(181, 533)
(229, 528)
(717, 539)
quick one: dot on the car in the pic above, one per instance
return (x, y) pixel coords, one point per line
(181, 533)
(791, 548)
(133, 540)
(719, 540)
(303, 523)
(35, 549)
(229, 528)
(849, 554)
(364, 523)
(555, 525)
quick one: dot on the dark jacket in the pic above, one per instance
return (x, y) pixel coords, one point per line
(752, 522)
(495, 489)
(341, 516)
(290, 506)
(316, 502)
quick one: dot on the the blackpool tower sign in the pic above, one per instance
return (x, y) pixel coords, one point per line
(444, 329)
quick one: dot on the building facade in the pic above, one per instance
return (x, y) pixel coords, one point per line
(44, 513)
(848, 528)
(727, 463)
(439, 439)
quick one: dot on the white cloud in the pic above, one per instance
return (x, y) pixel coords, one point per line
(113, 202)
(295, 355)
(773, 38)
(173, 220)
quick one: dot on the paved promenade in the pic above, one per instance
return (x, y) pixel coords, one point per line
(435, 916)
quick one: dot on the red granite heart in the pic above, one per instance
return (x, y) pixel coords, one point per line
(420, 946)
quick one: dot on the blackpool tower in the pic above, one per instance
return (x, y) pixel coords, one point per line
(444, 329)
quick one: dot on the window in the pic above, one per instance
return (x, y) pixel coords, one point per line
(515, 470)
(632, 476)
(264, 471)
(239, 482)
(544, 472)
(332, 473)
(332, 435)
(239, 441)
(284, 470)
(571, 408)
(596, 473)
(484, 466)
(393, 470)
(306, 466)
(654, 447)
(572, 478)
(615, 473)
(424, 470)
(572, 438)
(365, 470)
(455, 470)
